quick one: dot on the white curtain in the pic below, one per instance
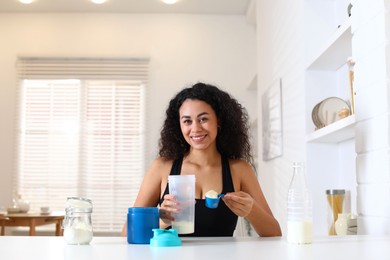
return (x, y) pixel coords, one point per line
(81, 133)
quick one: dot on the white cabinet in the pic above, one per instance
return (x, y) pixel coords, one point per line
(331, 149)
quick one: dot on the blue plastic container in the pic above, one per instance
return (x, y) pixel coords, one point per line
(140, 224)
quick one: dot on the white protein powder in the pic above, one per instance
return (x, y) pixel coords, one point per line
(212, 194)
(78, 234)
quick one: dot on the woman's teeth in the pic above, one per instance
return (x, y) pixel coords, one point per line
(197, 138)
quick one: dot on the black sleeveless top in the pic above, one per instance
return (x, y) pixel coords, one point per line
(219, 222)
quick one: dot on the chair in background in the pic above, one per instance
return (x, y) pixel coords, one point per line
(3, 220)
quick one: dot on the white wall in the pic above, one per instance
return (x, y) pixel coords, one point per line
(280, 55)
(281, 51)
(371, 21)
(183, 49)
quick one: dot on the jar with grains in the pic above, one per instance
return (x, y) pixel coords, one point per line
(335, 200)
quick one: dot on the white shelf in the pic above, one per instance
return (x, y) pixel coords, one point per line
(339, 131)
(335, 52)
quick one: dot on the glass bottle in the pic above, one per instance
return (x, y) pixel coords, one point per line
(299, 208)
(77, 222)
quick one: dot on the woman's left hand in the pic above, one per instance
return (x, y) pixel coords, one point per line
(240, 203)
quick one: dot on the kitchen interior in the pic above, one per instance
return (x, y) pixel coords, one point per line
(327, 59)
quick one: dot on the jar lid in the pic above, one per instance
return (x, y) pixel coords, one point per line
(335, 192)
(145, 210)
(78, 204)
(163, 237)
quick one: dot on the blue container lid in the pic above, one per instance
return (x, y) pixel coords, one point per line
(163, 237)
(143, 210)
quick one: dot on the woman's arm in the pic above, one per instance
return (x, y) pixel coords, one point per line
(249, 200)
(150, 190)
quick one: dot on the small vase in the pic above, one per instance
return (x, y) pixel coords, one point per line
(341, 224)
(23, 205)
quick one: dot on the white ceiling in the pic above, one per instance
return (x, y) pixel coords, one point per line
(223, 7)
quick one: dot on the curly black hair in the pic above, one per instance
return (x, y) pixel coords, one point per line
(233, 133)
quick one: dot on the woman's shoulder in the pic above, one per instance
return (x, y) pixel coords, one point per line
(242, 173)
(238, 163)
(162, 162)
(239, 166)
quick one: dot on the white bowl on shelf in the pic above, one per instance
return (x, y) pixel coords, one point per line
(12, 210)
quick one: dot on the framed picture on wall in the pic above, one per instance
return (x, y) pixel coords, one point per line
(272, 121)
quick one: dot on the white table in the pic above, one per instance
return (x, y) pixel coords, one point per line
(329, 248)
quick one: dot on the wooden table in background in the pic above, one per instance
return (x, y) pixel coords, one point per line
(32, 220)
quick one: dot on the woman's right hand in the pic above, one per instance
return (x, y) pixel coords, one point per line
(168, 207)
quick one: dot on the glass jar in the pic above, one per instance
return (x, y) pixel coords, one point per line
(77, 223)
(335, 200)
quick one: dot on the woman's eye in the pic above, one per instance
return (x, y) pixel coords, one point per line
(204, 119)
(187, 122)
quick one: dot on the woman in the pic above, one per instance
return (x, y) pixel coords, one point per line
(206, 133)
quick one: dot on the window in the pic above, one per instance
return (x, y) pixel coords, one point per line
(81, 133)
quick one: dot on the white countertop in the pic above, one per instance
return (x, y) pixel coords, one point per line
(329, 248)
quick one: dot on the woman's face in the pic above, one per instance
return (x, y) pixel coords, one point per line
(198, 123)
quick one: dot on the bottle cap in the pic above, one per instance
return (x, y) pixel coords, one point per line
(162, 237)
(335, 192)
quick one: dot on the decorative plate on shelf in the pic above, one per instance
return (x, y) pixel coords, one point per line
(329, 110)
(314, 116)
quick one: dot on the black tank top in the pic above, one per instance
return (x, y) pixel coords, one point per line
(217, 222)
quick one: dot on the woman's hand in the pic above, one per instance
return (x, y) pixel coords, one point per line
(168, 207)
(240, 203)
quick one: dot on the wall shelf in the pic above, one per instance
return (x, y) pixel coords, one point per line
(339, 131)
(330, 151)
(335, 52)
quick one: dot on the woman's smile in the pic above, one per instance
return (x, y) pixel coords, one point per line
(198, 138)
(198, 123)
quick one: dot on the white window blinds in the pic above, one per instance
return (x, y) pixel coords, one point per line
(81, 133)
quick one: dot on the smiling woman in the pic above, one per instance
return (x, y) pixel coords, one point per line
(205, 134)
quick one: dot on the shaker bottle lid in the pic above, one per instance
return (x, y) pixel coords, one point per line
(145, 210)
(163, 237)
(335, 192)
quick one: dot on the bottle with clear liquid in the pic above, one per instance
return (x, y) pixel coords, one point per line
(299, 208)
